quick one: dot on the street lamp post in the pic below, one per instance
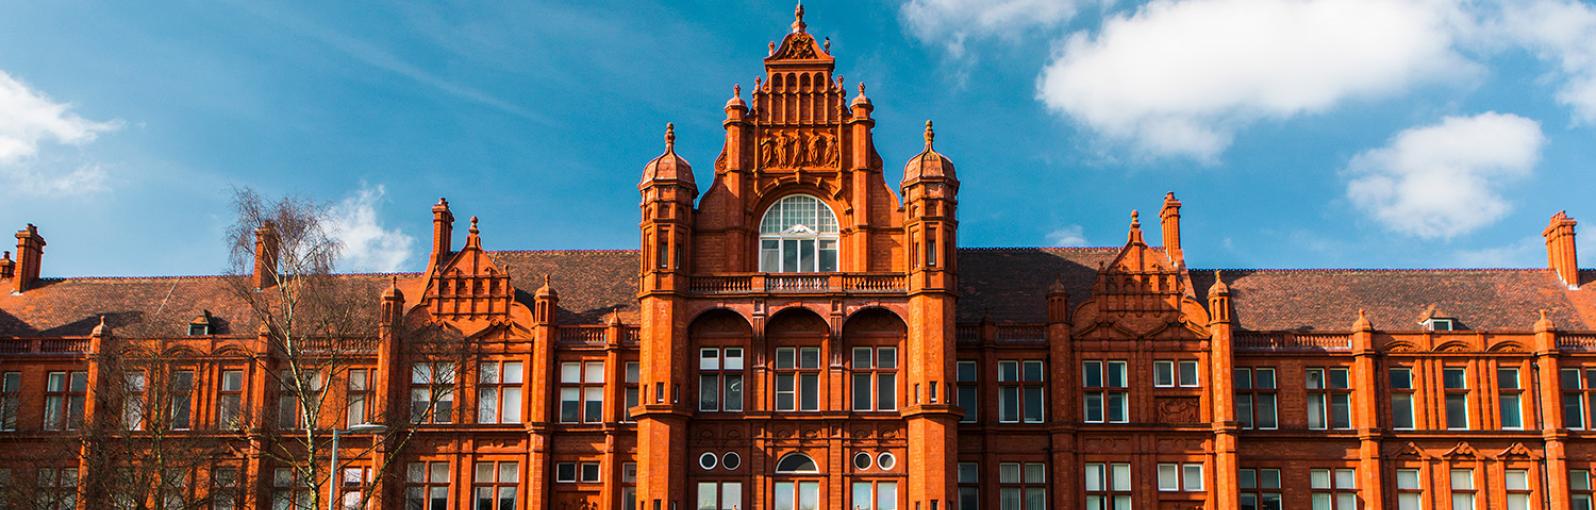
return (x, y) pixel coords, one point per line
(333, 480)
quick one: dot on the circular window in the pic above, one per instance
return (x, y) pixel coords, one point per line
(861, 461)
(731, 460)
(706, 461)
(886, 461)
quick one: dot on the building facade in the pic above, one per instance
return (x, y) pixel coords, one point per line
(798, 334)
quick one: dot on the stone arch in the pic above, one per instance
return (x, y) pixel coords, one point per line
(797, 463)
(799, 352)
(720, 345)
(874, 345)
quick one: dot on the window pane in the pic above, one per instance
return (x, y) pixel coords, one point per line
(1121, 477)
(1033, 371)
(1401, 379)
(1188, 373)
(1457, 411)
(1455, 378)
(1192, 477)
(1092, 372)
(1168, 477)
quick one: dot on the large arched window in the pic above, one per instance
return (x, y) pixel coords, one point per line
(798, 235)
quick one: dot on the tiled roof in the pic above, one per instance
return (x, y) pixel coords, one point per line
(1003, 284)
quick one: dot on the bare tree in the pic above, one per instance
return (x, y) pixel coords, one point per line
(321, 336)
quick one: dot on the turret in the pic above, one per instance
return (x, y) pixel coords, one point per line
(1219, 300)
(930, 197)
(668, 191)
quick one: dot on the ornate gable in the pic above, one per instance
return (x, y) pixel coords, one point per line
(470, 292)
(1142, 290)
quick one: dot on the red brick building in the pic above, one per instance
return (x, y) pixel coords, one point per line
(797, 333)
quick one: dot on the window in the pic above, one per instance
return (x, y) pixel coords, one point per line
(720, 379)
(1334, 489)
(427, 485)
(225, 489)
(798, 235)
(589, 472)
(797, 463)
(1180, 477)
(969, 486)
(1329, 399)
(1455, 380)
(1255, 398)
(182, 399)
(1518, 489)
(10, 400)
(357, 397)
(875, 378)
(633, 376)
(798, 378)
(969, 388)
(1462, 489)
(1020, 386)
(199, 329)
(229, 400)
(582, 392)
(432, 392)
(1260, 488)
(1509, 398)
(1108, 487)
(57, 488)
(290, 411)
(290, 491)
(499, 392)
(1575, 393)
(629, 486)
(494, 483)
(720, 495)
(1106, 398)
(134, 385)
(352, 487)
(1163, 374)
(1579, 490)
(875, 496)
(797, 495)
(1401, 398)
(63, 399)
(1410, 491)
(565, 472)
(1022, 486)
(1435, 324)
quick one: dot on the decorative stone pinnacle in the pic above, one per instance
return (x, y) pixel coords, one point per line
(930, 135)
(798, 19)
(670, 135)
(473, 224)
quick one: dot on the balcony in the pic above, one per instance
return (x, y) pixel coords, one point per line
(1292, 342)
(797, 283)
(44, 345)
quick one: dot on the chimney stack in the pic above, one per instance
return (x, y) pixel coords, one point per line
(1169, 216)
(442, 233)
(30, 253)
(267, 244)
(1560, 254)
(8, 268)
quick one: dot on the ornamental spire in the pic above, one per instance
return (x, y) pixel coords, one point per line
(670, 136)
(798, 19)
(930, 135)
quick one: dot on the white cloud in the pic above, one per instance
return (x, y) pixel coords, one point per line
(951, 23)
(1068, 235)
(366, 244)
(1179, 78)
(1438, 181)
(1562, 31)
(28, 120)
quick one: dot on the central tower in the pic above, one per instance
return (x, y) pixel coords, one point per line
(797, 320)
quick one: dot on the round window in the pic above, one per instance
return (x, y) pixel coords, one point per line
(886, 461)
(861, 461)
(706, 461)
(731, 460)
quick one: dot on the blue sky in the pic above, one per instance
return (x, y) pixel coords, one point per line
(1298, 133)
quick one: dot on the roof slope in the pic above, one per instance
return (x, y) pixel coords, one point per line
(1003, 284)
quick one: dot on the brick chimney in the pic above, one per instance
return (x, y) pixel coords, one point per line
(8, 268)
(442, 233)
(30, 253)
(1169, 216)
(267, 244)
(1560, 254)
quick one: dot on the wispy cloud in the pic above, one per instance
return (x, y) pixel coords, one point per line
(366, 244)
(1068, 235)
(381, 59)
(1526, 252)
(29, 120)
(952, 23)
(1441, 180)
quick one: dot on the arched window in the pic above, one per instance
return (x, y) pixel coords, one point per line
(798, 235)
(796, 463)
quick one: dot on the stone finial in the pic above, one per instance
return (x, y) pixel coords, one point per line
(1219, 288)
(102, 329)
(798, 19)
(1362, 324)
(930, 134)
(1544, 324)
(670, 135)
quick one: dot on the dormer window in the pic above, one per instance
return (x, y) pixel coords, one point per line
(1439, 324)
(201, 325)
(798, 235)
